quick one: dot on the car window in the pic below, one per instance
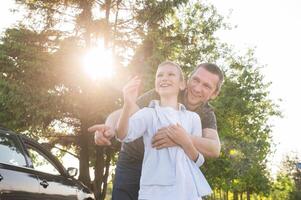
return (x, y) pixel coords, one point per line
(40, 162)
(11, 152)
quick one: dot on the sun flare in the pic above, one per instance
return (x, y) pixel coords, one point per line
(98, 63)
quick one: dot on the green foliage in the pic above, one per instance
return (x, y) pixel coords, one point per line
(185, 36)
(25, 78)
(282, 187)
(243, 109)
(287, 184)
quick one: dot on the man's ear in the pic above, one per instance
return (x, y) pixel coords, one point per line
(215, 94)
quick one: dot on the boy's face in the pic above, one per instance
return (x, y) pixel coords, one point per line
(168, 80)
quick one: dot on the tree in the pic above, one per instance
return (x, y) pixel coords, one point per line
(243, 109)
(26, 78)
(70, 98)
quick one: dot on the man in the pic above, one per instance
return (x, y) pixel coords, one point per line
(203, 85)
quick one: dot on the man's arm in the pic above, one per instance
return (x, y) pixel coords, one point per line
(103, 133)
(208, 144)
(113, 118)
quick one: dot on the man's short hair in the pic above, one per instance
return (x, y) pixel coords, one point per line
(167, 62)
(214, 69)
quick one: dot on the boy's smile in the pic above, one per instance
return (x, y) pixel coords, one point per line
(168, 80)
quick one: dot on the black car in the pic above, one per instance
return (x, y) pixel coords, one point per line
(28, 171)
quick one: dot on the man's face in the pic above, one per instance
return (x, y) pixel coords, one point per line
(201, 87)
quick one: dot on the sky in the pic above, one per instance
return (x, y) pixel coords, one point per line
(273, 28)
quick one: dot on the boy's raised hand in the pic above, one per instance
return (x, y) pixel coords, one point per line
(130, 90)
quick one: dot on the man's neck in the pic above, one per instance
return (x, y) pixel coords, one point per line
(193, 107)
(189, 106)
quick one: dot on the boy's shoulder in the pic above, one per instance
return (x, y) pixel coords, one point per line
(147, 97)
(192, 114)
(146, 109)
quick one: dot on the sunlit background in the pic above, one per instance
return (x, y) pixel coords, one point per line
(272, 27)
(98, 62)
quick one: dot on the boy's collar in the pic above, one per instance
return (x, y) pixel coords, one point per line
(156, 103)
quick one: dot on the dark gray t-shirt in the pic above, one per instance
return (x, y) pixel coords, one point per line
(135, 150)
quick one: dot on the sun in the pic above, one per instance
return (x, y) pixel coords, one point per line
(98, 63)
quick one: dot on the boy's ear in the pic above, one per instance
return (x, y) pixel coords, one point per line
(182, 85)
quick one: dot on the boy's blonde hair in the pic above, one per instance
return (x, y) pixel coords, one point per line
(167, 62)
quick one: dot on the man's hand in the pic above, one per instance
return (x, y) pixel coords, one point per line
(178, 134)
(174, 135)
(102, 134)
(161, 140)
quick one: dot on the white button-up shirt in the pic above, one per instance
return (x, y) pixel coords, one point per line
(167, 173)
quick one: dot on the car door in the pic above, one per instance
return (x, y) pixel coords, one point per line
(16, 180)
(54, 184)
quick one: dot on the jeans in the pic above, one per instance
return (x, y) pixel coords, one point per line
(127, 178)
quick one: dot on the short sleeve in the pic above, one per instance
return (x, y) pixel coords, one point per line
(196, 125)
(146, 98)
(209, 120)
(138, 124)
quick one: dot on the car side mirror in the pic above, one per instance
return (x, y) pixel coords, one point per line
(72, 171)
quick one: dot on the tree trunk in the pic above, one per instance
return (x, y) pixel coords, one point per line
(83, 142)
(226, 195)
(84, 176)
(86, 20)
(248, 195)
(99, 168)
(107, 31)
(115, 24)
(106, 174)
(102, 166)
(235, 195)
